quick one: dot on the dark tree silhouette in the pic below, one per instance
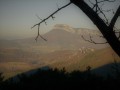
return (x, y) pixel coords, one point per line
(107, 29)
(54, 79)
(1, 78)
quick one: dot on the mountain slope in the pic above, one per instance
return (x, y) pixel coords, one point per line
(92, 59)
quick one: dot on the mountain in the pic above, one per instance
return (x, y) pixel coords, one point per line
(61, 37)
(64, 48)
(68, 38)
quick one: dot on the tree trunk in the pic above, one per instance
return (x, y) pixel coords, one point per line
(107, 32)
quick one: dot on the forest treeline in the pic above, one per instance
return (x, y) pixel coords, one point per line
(54, 79)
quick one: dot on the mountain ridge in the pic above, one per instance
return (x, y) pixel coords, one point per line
(80, 31)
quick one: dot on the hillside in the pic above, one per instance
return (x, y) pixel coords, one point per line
(64, 48)
(95, 59)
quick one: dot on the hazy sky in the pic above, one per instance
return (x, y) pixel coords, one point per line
(18, 16)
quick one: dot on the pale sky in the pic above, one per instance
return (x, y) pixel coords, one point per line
(18, 16)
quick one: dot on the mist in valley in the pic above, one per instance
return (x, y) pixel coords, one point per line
(64, 48)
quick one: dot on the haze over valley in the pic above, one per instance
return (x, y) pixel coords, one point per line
(64, 48)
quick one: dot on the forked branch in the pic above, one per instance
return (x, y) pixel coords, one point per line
(92, 41)
(44, 21)
(114, 19)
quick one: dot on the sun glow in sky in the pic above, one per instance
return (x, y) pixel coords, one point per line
(18, 16)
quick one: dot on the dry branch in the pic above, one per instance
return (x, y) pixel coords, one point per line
(44, 21)
(92, 41)
(114, 19)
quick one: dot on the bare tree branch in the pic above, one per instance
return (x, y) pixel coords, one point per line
(103, 15)
(107, 1)
(98, 9)
(92, 41)
(38, 17)
(117, 32)
(51, 15)
(44, 20)
(114, 19)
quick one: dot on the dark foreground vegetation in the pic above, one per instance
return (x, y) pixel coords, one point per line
(54, 79)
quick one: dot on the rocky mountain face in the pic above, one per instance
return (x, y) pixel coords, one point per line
(79, 31)
(67, 37)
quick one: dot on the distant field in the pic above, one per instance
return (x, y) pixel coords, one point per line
(93, 59)
(70, 59)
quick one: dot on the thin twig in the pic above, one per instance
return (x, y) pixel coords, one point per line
(92, 41)
(44, 20)
(114, 19)
(98, 8)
